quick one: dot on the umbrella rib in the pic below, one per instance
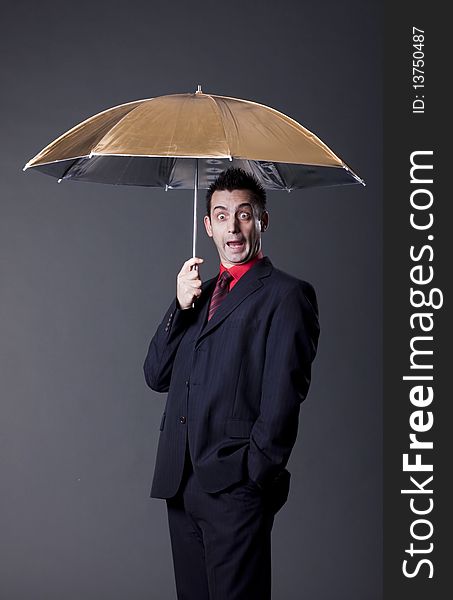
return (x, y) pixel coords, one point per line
(219, 115)
(72, 130)
(282, 179)
(175, 123)
(93, 150)
(295, 124)
(68, 169)
(52, 162)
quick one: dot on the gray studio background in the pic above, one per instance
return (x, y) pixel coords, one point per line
(87, 272)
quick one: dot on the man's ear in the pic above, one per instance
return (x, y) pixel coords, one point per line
(264, 220)
(207, 224)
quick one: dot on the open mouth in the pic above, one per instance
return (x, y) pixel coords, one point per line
(236, 245)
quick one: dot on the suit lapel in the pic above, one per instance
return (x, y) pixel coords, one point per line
(248, 283)
(203, 302)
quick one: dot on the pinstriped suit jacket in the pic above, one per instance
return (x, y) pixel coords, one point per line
(234, 383)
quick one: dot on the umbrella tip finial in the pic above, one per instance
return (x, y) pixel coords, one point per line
(198, 89)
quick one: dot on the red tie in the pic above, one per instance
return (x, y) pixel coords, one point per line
(220, 291)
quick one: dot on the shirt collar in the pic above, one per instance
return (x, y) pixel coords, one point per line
(237, 271)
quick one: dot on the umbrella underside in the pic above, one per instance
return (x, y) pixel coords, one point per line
(178, 173)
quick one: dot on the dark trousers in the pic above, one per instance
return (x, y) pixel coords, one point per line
(221, 542)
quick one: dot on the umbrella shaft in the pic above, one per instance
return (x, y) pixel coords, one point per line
(195, 195)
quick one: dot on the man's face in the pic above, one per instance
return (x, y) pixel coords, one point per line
(235, 226)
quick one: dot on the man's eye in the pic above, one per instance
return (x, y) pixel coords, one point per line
(221, 217)
(245, 215)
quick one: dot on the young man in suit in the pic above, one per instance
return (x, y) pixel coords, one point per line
(234, 354)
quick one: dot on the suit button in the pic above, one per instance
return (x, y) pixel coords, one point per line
(187, 383)
(182, 419)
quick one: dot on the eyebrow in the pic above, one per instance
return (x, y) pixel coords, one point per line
(240, 206)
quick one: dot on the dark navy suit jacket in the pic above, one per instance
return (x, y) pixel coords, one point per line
(234, 383)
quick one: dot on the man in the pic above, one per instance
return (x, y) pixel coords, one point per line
(234, 354)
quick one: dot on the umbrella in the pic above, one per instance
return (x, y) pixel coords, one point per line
(183, 141)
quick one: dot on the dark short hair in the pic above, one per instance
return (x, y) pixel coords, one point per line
(235, 178)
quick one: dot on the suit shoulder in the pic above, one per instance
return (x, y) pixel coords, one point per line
(289, 283)
(286, 284)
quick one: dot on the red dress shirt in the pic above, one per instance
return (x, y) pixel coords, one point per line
(239, 270)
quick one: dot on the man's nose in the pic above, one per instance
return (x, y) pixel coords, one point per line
(233, 224)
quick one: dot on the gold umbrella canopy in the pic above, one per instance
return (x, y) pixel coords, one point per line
(165, 141)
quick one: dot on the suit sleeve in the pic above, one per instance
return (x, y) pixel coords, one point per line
(290, 349)
(162, 350)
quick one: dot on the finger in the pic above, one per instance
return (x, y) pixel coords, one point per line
(190, 276)
(189, 264)
(191, 288)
